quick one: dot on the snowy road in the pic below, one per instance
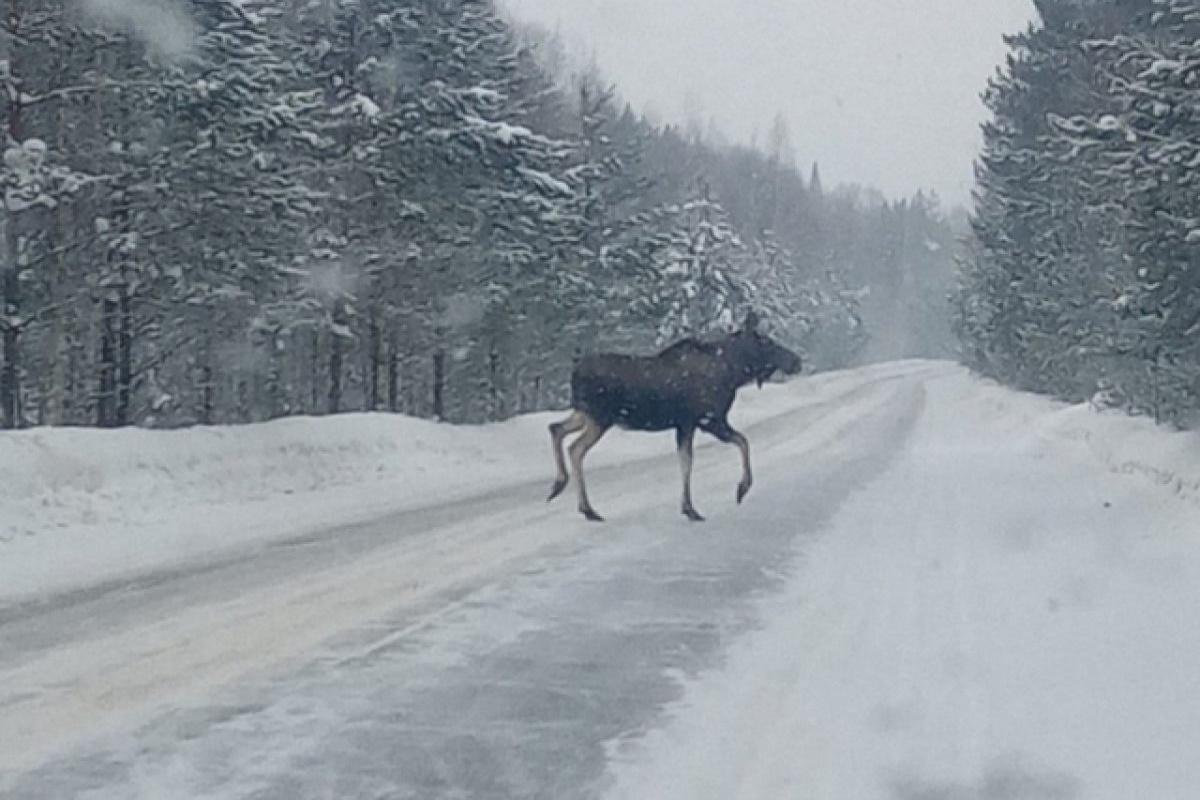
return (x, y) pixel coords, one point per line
(919, 600)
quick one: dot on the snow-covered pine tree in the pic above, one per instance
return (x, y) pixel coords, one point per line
(1148, 153)
(1002, 284)
(1081, 280)
(226, 188)
(614, 231)
(701, 286)
(1027, 299)
(39, 73)
(500, 189)
(348, 56)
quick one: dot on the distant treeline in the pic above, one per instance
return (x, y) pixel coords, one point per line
(1085, 280)
(232, 210)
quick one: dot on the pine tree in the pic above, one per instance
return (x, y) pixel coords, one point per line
(1146, 152)
(1083, 277)
(1042, 253)
(702, 287)
(57, 83)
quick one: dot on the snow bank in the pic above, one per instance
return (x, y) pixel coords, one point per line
(80, 506)
(1133, 446)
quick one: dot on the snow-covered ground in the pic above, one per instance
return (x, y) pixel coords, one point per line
(939, 590)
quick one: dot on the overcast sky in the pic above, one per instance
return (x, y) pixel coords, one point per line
(880, 92)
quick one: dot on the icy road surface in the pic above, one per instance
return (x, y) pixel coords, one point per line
(922, 599)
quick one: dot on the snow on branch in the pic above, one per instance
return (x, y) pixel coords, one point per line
(29, 179)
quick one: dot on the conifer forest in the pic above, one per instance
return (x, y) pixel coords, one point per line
(261, 208)
(1083, 279)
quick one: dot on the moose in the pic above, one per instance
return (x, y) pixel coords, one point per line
(689, 385)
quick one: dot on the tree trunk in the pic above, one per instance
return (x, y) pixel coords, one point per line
(73, 394)
(124, 357)
(275, 401)
(207, 390)
(10, 300)
(241, 392)
(494, 384)
(374, 357)
(393, 374)
(439, 379)
(106, 365)
(10, 285)
(10, 387)
(314, 373)
(57, 350)
(335, 369)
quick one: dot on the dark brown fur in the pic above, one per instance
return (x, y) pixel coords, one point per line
(688, 386)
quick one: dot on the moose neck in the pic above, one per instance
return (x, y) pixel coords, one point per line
(738, 355)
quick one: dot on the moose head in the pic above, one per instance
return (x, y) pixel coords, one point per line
(758, 356)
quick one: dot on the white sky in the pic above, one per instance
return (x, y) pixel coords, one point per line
(880, 92)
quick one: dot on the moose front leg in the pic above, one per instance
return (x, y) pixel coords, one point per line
(722, 430)
(747, 476)
(592, 432)
(684, 438)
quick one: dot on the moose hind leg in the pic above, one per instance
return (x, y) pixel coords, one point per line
(592, 432)
(727, 434)
(684, 438)
(558, 432)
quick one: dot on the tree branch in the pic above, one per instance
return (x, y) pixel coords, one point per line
(67, 92)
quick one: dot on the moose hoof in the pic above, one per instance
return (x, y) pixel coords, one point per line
(591, 515)
(693, 515)
(742, 490)
(556, 489)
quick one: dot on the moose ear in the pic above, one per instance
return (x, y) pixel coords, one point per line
(751, 323)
